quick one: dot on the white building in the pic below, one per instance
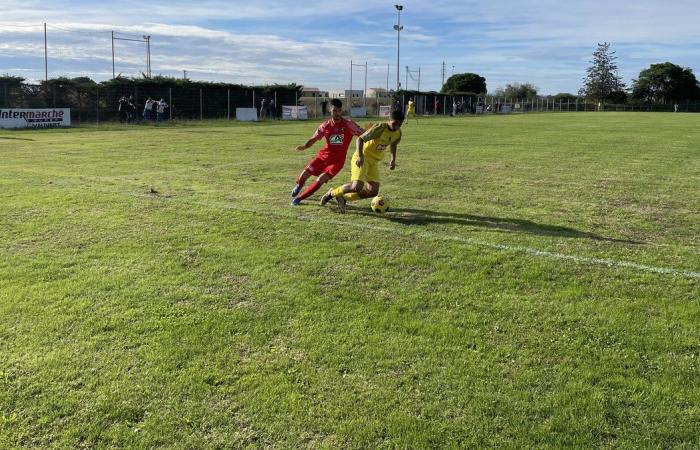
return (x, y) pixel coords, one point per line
(347, 93)
(313, 92)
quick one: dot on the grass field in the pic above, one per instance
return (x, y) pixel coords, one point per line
(537, 285)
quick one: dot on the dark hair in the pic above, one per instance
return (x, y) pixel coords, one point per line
(397, 115)
(337, 103)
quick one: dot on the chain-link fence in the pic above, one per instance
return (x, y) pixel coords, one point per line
(441, 104)
(96, 104)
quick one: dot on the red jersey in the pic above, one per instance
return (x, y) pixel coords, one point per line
(338, 137)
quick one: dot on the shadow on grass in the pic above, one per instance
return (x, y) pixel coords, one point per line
(407, 216)
(16, 138)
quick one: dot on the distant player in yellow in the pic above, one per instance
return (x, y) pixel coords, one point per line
(411, 110)
(371, 148)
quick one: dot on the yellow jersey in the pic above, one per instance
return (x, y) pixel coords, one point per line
(411, 107)
(378, 139)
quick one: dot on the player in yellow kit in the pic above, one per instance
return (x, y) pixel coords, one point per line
(371, 149)
(411, 110)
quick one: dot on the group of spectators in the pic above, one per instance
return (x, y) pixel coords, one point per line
(268, 109)
(152, 111)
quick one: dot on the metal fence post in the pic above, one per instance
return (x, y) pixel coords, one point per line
(170, 103)
(97, 104)
(228, 104)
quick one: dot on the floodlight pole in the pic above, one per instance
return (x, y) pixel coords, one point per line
(398, 29)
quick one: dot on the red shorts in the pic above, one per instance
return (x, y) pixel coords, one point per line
(331, 166)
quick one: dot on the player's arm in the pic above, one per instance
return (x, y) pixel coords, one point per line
(360, 157)
(368, 135)
(392, 163)
(307, 144)
(318, 135)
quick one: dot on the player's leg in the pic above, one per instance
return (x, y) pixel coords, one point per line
(315, 167)
(370, 182)
(313, 187)
(301, 180)
(355, 183)
(371, 189)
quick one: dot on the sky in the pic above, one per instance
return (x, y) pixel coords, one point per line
(548, 43)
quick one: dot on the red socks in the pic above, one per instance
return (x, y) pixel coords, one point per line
(310, 190)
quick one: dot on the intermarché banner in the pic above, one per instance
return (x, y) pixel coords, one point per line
(34, 118)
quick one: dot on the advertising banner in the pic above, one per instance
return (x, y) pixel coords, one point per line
(34, 118)
(295, 113)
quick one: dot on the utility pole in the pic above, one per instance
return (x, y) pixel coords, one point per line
(387, 79)
(46, 56)
(418, 78)
(398, 29)
(148, 55)
(406, 86)
(184, 74)
(113, 54)
(146, 39)
(443, 74)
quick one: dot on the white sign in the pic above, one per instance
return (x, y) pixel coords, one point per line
(34, 118)
(294, 113)
(246, 114)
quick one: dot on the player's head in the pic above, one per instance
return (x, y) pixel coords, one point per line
(396, 120)
(336, 109)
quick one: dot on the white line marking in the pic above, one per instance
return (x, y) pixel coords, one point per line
(439, 237)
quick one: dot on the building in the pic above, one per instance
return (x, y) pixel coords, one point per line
(356, 93)
(313, 92)
(378, 92)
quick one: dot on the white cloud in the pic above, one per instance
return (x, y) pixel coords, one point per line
(546, 41)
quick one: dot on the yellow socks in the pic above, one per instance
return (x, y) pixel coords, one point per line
(351, 197)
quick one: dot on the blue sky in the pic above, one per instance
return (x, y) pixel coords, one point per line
(547, 43)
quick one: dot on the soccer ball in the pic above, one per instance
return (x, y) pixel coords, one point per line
(380, 204)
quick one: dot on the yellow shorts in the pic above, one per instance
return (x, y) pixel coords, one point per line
(369, 172)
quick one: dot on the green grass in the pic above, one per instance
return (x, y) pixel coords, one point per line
(157, 290)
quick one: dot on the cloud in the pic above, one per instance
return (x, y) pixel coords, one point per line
(312, 41)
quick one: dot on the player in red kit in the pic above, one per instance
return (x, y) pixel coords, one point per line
(329, 161)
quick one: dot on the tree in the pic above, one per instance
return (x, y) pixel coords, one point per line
(517, 90)
(665, 82)
(10, 90)
(602, 80)
(565, 97)
(464, 82)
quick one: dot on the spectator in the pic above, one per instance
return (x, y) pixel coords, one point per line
(437, 106)
(454, 108)
(675, 107)
(162, 106)
(263, 108)
(130, 110)
(122, 109)
(148, 109)
(324, 108)
(272, 109)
